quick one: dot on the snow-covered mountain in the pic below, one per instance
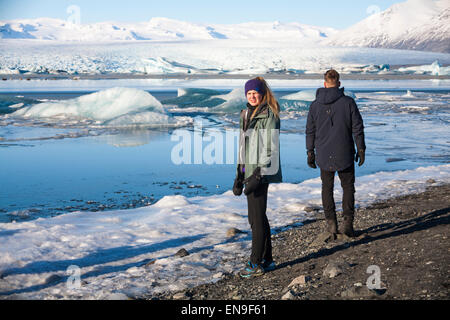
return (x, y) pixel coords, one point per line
(414, 25)
(157, 29)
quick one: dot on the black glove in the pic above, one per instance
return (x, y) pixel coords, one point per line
(361, 155)
(238, 182)
(312, 159)
(253, 182)
(238, 186)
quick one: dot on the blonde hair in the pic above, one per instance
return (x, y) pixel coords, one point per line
(268, 98)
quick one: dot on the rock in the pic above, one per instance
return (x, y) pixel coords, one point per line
(234, 293)
(301, 280)
(288, 296)
(232, 232)
(182, 253)
(148, 264)
(334, 268)
(180, 296)
(344, 237)
(431, 181)
(311, 209)
(322, 239)
(117, 296)
(361, 292)
(356, 292)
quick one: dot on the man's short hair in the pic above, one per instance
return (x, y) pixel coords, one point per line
(331, 77)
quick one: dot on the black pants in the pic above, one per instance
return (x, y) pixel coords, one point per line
(347, 178)
(261, 241)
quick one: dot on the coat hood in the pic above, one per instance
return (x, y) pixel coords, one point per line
(329, 95)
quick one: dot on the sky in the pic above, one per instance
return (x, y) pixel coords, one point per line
(337, 14)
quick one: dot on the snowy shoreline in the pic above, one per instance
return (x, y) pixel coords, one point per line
(130, 253)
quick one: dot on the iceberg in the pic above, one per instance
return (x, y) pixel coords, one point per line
(11, 104)
(207, 100)
(303, 95)
(301, 100)
(111, 107)
(195, 98)
(310, 95)
(9, 71)
(234, 101)
(435, 69)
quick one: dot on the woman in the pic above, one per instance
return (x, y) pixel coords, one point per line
(259, 165)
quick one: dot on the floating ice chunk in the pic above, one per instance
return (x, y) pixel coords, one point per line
(101, 105)
(209, 100)
(195, 98)
(17, 105)
(435, 69)
(112, 107)
(235, 101)
(301, 100)
(303, 95)
(408, 94)
(9, 71)
(293, 105)
(310, 95)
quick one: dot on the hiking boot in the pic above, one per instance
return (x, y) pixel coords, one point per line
(268, 265)
(348, 226)
(251, 270)
(331, 223)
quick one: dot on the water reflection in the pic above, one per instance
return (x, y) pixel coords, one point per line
(133, 137)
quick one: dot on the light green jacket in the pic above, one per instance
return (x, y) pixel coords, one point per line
(259, 145)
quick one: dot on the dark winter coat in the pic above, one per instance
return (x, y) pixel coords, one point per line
(334, 125)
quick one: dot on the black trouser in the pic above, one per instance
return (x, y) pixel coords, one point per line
(347, 178)
(261, 241)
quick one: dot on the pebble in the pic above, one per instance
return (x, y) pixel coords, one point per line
(301, 280)
(180, 296)
(333, 269)
(233, 232)
(182, 253)
(311, 209)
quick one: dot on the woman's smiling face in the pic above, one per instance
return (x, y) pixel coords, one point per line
(254, 98)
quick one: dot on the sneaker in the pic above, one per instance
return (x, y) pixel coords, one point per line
(252, 270)
(268, 265)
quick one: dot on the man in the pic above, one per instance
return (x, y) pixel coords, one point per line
(334, 125)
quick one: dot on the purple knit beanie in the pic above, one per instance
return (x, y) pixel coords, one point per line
(255, 84)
